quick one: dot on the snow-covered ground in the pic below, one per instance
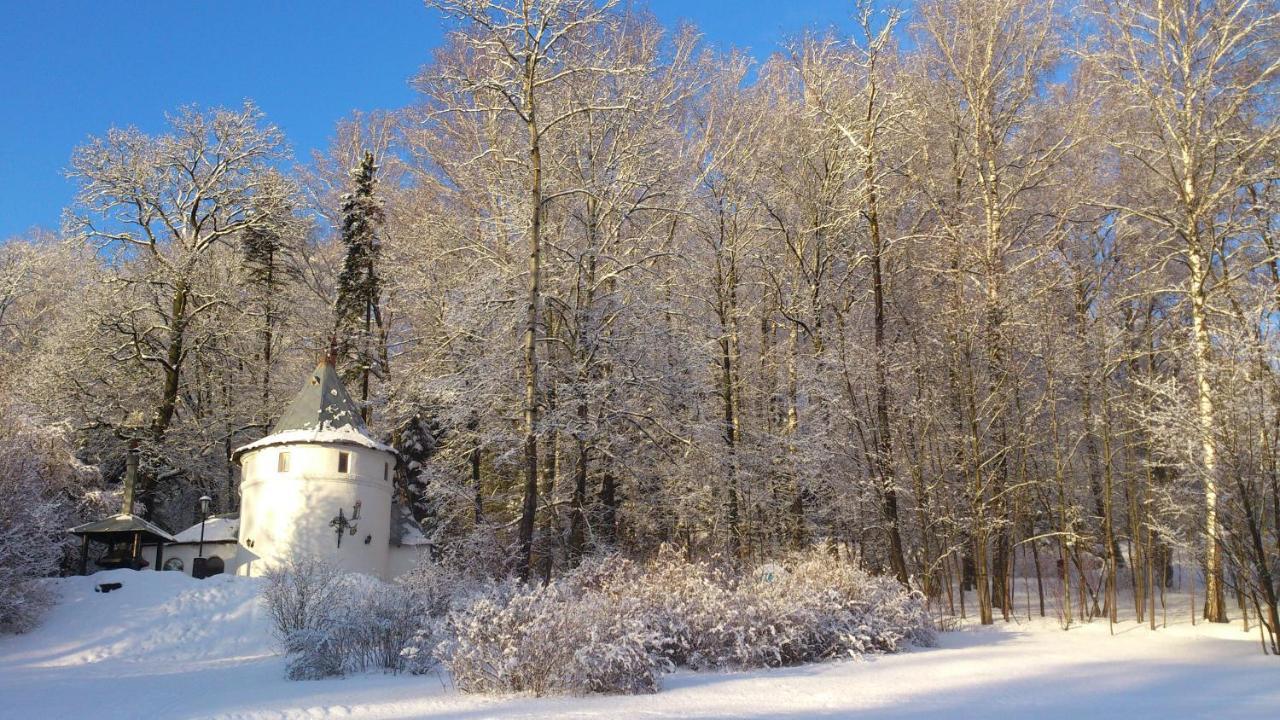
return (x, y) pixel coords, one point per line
(169, 647)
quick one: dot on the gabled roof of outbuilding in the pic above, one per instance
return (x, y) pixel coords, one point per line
(321, 412)
(122, 524)
(218, 528)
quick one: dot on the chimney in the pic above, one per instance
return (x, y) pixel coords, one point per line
(130, 478)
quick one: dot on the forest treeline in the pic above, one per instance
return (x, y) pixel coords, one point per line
(982, 281)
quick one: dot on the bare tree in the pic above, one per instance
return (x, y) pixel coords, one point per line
(1189, 83)
(162, 204)
(518, 59)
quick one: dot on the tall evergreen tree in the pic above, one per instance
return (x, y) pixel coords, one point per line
(358, 331)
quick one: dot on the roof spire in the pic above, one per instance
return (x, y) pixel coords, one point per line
(322, 404)
(322, 411)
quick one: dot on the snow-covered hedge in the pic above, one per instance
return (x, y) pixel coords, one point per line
(812, 607)
(44, 490)
(611, 626)
(551, 640)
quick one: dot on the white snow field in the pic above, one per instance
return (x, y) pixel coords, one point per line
(168, 647)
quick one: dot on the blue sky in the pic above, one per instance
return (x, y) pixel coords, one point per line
(69, 70)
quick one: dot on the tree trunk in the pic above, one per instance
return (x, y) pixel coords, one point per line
(164, 413)
(885, 462)
(1214, 604)
(529, 507)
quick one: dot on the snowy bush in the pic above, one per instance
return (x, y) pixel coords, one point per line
(332, 624)
(690, 606)
(377, 621)
(43, 491)
(420, 654)
(612, 626)
(823, 608)
(312, 654)
(551, 640)
(434, 588)
(817, 608)
(301, 594)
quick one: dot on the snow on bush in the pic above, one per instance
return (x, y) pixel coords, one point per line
(376, 622)
(435, 588)
(613, 626)
(312, 654)
(551, 640)
(610, 626)
(816, 608)
(822, 608)
(331, 624)
(43, 491)
(301, 594)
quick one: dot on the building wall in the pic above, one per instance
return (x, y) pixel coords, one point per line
(404, 558)
(291, 513)
(186, 552)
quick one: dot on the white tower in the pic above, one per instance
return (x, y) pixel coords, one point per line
(319, 485)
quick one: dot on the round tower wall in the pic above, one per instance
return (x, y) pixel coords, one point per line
(297, 507)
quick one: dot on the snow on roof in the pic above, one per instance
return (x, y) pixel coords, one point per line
(216, 529)
(345, 434)
(321, 412)
(121, 523)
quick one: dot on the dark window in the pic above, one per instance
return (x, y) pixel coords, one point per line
(344, 462)
(214, 566)
(386, 470)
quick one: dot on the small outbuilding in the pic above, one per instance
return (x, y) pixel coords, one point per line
(124, 534)
(218, 546)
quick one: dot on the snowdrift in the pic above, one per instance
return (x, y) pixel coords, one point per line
(155, 617)
(168, 647)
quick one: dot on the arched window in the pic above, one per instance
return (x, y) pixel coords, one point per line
(214, 566)
(173, 564)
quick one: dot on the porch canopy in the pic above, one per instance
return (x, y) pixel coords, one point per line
(124, 534)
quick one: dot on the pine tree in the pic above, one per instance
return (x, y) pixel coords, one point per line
(360, 352)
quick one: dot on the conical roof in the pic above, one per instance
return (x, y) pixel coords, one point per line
(323, 403)
(321, 412)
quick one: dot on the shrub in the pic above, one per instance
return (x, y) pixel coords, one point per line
(22, 605)
(331, 624)
(301, 594)
(420, 655)
(551, 640)
(375, 622)
(819, 608)
(822, 608)
(312, 654)
(611, 626)
(43, 490)
(434, 588)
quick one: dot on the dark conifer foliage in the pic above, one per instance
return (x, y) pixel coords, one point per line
(358, 330)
